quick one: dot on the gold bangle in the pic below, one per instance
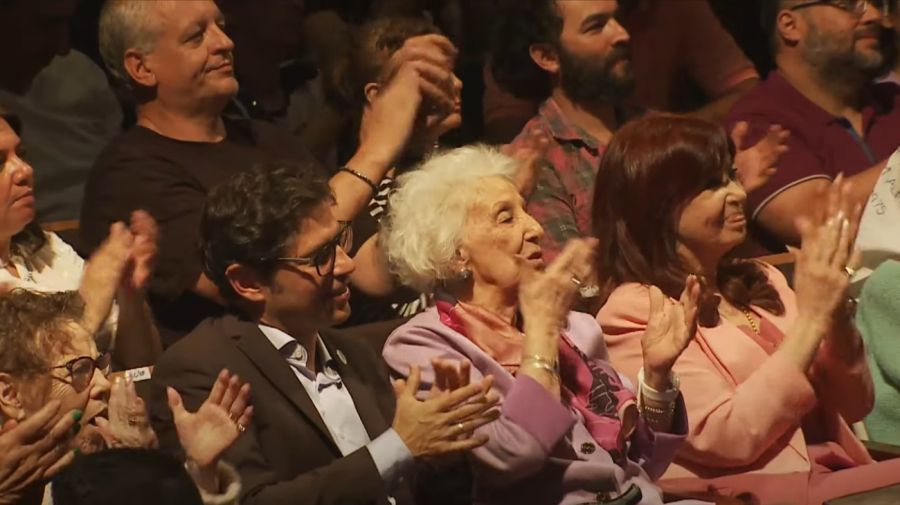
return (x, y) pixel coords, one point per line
(543, 363)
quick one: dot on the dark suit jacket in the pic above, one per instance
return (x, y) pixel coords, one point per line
(287, 455)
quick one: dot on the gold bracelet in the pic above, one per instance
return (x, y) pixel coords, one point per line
(543, 363)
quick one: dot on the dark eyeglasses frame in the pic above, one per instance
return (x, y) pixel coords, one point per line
(101, 362)
(855, 7)
(327, 254)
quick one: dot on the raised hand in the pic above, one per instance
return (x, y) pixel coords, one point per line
(444, 423)
(206, 434)
(757, 164)
(418, 82)
(670, 328)
(103, 274)
(545, 298)
(127, 424)
(450, 375)
(826, 256)
(530, 155)
(143, 252)
(34, 450)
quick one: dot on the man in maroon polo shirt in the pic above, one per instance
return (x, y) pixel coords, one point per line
(827, 54)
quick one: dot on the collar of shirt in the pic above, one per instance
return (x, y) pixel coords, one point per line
(561, 128)
(291, 349)
(873, 103)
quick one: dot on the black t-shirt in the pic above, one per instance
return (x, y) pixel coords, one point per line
(141, 169)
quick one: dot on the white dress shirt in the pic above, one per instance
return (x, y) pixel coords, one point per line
(335, 405)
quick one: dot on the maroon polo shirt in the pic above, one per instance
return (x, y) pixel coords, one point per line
(820, 145)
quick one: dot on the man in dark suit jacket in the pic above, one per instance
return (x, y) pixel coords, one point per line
(327, 426)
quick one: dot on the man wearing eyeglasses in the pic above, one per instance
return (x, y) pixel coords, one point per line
(827, 54)
(327, 427)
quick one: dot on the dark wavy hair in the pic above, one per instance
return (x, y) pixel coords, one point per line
(252, 218)
(34, 328)
(521, 23)
(125, 475)
(375, 42)
(651, 169)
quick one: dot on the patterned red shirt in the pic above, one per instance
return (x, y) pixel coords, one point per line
(564, 188)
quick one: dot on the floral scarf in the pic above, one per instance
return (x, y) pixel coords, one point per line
(590, 387)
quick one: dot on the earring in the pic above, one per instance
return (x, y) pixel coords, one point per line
(465, 274)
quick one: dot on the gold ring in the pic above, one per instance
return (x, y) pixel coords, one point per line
(576, 281)
(849, 271)
(461, 427)
(241, 428)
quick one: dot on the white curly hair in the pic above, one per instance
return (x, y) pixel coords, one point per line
(428, 209)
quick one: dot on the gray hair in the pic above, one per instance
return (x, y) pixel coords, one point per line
(428, 210)
(124, 25)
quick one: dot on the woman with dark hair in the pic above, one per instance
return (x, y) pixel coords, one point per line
(774, 374)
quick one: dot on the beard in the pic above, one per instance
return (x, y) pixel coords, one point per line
(837, 59)
(591, 80)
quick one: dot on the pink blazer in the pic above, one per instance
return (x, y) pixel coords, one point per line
(746, 407)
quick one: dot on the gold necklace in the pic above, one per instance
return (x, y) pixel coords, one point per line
(753, 324)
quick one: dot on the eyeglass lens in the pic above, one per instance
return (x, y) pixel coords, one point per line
(82, 370)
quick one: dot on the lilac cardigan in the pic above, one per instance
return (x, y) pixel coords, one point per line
(539, 451)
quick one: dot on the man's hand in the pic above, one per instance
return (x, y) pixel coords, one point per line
(34, 450)
(418, 82)
(207, 433)
(530, 155)
(445, 422)
(450, 375)
(756, 165)
(143, 251)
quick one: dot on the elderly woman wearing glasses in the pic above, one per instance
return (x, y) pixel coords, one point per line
(571, 430)
(50, 356)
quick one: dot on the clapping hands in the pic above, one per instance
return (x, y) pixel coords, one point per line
(206, 434)
(127, 424)
(34, 450)
(445, 422)
(123, 261)
(826, 258)
(757, 164)
(670, 328)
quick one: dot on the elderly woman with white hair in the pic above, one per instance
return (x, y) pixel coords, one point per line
(572, 430)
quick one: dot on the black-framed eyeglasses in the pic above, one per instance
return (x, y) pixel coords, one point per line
(855, 7)
(81, 369)
(324, 258)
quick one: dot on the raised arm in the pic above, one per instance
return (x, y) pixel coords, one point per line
(420, 80)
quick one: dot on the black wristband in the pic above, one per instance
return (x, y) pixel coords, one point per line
(360, 177)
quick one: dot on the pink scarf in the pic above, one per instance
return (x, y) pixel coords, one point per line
(591, 387)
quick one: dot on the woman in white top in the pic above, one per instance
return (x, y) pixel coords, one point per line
(33, 259)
